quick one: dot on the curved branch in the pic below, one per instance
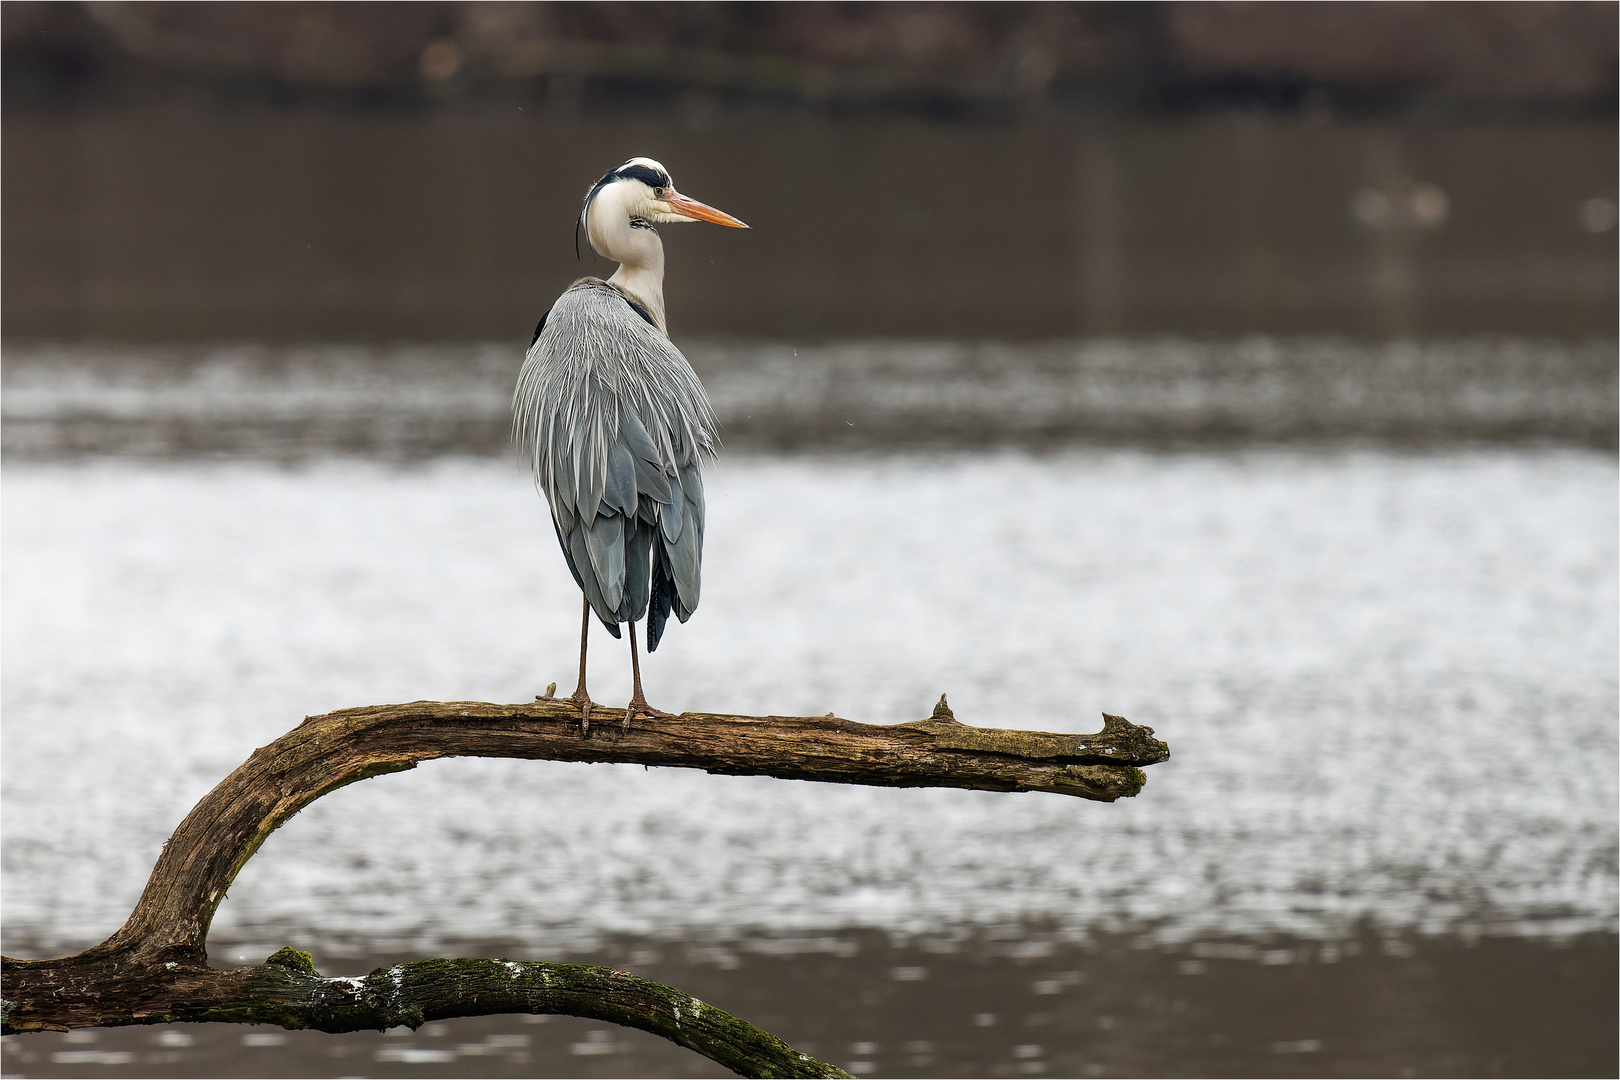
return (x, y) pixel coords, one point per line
(328, 752)
(155, 968)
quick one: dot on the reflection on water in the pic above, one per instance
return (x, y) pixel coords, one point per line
(1389, 682)
(188, 224)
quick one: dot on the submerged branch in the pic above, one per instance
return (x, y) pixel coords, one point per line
(155, 968)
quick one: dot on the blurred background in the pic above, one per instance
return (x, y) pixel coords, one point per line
(1245, 369)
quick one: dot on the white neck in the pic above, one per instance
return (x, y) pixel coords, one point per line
(639, 252)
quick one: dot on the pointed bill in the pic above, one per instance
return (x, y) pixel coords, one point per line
(676, 203)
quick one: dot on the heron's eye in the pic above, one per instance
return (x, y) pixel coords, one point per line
(659, 193)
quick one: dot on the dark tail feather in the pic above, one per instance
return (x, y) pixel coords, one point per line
(638, 536)
(663, 594)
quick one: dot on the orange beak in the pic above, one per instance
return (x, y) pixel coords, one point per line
(691, 208)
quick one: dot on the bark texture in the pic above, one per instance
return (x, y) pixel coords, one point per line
(155, 968)
(287, 991)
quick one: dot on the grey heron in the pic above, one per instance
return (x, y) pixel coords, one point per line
(616, 424)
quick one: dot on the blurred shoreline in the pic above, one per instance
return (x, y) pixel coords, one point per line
(187, 224)
(66, 401)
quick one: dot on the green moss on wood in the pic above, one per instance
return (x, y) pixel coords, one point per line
(293, 959)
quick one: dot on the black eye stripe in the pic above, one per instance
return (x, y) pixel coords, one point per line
(653, 178)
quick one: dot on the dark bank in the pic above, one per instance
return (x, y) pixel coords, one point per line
(411, 172)
(184, 224)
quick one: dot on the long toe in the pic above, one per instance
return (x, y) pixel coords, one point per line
(641, 708)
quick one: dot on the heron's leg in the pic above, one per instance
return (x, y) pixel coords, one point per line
(579, 696)
(638, 702)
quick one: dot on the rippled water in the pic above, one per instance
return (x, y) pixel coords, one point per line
(1388, 681)
(416, 401)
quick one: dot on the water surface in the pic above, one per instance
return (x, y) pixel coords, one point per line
(1388, 681)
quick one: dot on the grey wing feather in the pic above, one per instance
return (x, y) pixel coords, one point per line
(650, 477)
(690, 545)
(620, 492)
(577, 556)
(615, 423)
(604, 542)
(637, 549)
(673, 515)
(692, 485)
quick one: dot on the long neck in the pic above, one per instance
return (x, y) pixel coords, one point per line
(639, 253)
(645, 284)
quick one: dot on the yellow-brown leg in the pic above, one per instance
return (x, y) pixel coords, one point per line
(579, 696)
(638, 702)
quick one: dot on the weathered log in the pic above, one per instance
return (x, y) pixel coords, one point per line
(155, 968)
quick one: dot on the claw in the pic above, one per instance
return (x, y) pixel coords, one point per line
(585, 706)
(641, 708)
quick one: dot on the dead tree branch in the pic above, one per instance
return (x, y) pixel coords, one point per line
(155, 968)
(287, 991)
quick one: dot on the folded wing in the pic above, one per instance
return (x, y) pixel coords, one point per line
(615, 424)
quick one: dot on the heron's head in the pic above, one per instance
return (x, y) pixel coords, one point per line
(640, 193)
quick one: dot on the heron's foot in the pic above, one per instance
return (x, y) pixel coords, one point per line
(583, 700)
(639, 707)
